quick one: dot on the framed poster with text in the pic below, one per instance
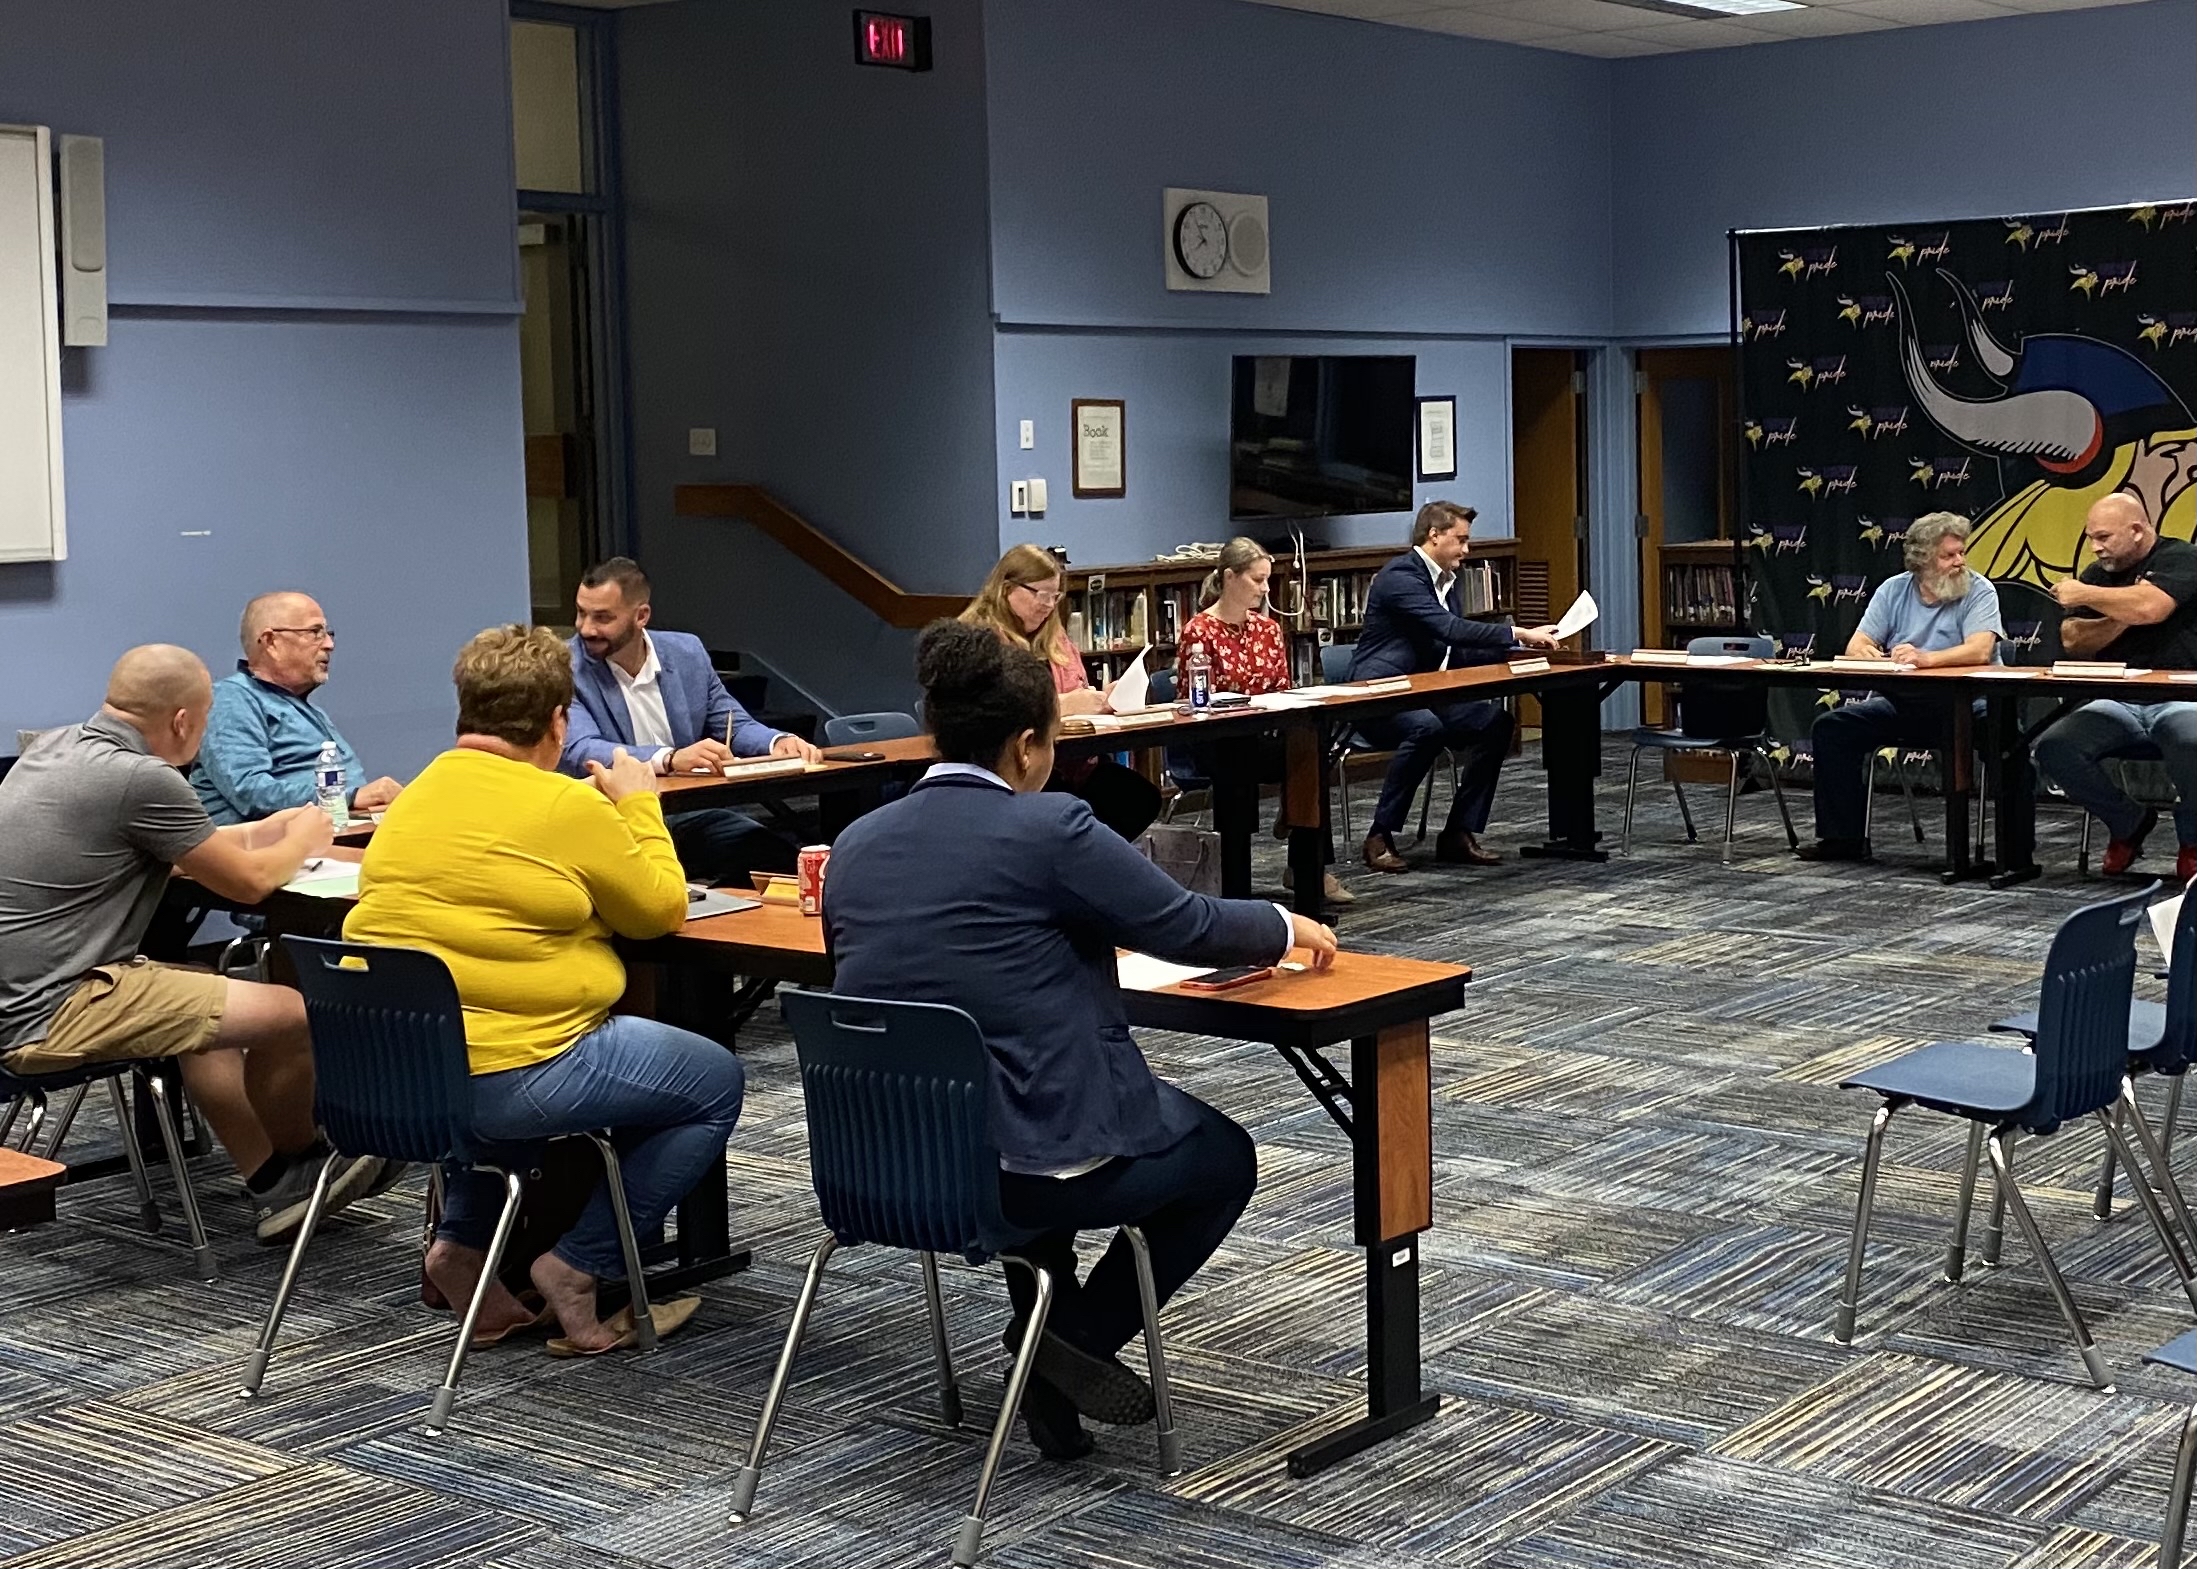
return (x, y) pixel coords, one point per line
(1100, 467)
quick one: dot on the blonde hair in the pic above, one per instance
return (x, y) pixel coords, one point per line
(1024, 566)
(1238, 555)
(511, 681)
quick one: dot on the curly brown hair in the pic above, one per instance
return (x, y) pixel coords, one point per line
(512, 680)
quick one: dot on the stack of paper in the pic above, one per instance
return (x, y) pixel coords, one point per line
(326, 879)
(1140, 972)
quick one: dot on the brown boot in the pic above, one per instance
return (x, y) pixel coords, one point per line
(1461, 849)
(1381, 855)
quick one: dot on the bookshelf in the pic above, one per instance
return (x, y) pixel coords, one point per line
(1702, 590)
(1113, 611)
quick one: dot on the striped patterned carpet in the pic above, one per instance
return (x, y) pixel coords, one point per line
(1644, 1176)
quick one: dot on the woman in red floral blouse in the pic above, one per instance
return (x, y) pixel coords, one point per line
(1250, 655)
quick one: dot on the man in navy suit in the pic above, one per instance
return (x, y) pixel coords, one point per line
(656, 694)
(1414, 623)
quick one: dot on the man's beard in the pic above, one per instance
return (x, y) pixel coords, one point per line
(1945, 587)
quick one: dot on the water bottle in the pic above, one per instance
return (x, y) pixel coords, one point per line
(330, 789)
(1201, 679)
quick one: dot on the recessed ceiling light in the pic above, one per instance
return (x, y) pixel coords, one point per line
(1712, 7)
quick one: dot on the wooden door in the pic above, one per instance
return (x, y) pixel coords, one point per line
(1689, 469)
(1547, 413)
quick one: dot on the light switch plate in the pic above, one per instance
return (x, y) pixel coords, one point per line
(702, 441)
(1037, 496)
(1018, 495)
(1029, 434)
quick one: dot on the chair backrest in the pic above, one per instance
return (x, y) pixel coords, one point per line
(390, 1071)
(900, 1142)
(853, 729)
(1335, 662)
(1159, 686)
(2082, 1011)
(1713, 710)
(2178, 1047)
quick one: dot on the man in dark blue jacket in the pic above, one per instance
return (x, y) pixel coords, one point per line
(1415, 623)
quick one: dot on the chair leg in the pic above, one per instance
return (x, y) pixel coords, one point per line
(37, 1099)
(1154, 1356)
(2101, 1199)
(1632, 783)
(2169, 1238)
(7, 1120)
(65, 1121)
(934, 1305)
(743, 1485)
(644, 1320)
(1872, 1151)
(147, 1211)
(438, 1417)
(970, 1538)
(1869, 795)
(1342, 788)
(1731, 804)
(2082, 848)
(2093, 1363)
(1907, 789)
(1777, 789)
(2155, 1151)
(1956, 1251)
(2173, 1114)
(255, 1371)
(2177, 1497)
(1685, 812)
(164, 1114)
(1994, 1229)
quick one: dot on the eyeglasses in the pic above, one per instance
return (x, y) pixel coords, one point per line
(317, 631)
(1044, 596)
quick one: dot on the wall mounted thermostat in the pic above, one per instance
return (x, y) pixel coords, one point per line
(1215, 242)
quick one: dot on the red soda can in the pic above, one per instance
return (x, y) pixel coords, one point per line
(813, 859)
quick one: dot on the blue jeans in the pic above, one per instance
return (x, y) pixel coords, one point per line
(670, 1099)
(2072, 755)
(1848, 736)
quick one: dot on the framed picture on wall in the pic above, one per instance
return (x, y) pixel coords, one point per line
(1437, 438)
(1101, 469)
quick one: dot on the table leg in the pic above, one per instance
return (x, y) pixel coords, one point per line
(2014, 794)
(1236, 810)
(1571, 756)
(1391, 1129)
(1304, 797)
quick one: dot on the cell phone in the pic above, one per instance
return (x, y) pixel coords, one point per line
(1227, 980)
(854, 757)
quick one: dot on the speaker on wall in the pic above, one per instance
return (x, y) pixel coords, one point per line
(83, 161)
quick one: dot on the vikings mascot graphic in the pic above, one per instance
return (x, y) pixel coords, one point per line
(2076, 419)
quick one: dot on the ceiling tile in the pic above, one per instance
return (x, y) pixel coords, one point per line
(1913, 13)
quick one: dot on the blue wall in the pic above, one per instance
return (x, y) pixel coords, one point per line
(807, 271)
(314, 355)
(2020, 114)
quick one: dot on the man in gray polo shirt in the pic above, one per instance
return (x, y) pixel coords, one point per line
(91, 820)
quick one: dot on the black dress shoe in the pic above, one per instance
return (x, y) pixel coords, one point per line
(1381, 855)
(1463, 850)
(1836, 850)
(1051, 1421)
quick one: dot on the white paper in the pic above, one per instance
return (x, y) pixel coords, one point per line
(1720, 659)
(1304, 699)
(2163, 916)
(1133, 691)
(2018, 673)
(1579, 617)
(1140, 972)
(326, 879)
(1317, 693)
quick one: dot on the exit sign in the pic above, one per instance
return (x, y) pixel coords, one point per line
(902, 43)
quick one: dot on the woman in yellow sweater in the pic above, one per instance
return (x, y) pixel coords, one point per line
(517, 877)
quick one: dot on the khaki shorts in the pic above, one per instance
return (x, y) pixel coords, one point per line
(125, 1011)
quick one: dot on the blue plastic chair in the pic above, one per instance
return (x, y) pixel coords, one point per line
(1182, 764)
(2180, 1354)
(901, 1154)
(32, 1090)
(862, 729)
(2162, 1039)
(391, 1078)
(1335, 670)
(2078, 1069)
(1716, 716)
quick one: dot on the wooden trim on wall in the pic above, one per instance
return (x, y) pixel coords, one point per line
(879, 595)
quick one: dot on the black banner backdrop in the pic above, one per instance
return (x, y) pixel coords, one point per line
(2013, 370)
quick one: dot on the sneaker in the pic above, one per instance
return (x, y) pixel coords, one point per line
(2120, 854)
(2185, 864)
(281, 1209)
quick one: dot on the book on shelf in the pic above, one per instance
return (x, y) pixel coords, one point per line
(1701, 595)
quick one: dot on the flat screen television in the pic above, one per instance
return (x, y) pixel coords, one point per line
(1320, 435)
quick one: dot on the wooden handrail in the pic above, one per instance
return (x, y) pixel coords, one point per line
(877, 594)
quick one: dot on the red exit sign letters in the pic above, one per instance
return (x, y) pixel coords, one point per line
(901, 43)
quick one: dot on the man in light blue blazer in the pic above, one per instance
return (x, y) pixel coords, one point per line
(657, 696)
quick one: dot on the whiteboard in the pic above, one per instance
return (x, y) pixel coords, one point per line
(31, 511)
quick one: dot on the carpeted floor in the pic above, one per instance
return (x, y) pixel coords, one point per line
(1644, 1176)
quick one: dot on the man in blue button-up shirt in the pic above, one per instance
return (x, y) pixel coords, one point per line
(264, 738)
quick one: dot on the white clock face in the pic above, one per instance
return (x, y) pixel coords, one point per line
(1201, 240)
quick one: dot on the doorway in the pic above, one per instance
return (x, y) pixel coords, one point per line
(1548, 440)
(1691, 584)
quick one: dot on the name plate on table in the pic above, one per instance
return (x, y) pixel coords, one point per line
(1392, 684)
(1858, 662)
(765, 767)
(1658, 656)
(2096, 669)
(1528, 667)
